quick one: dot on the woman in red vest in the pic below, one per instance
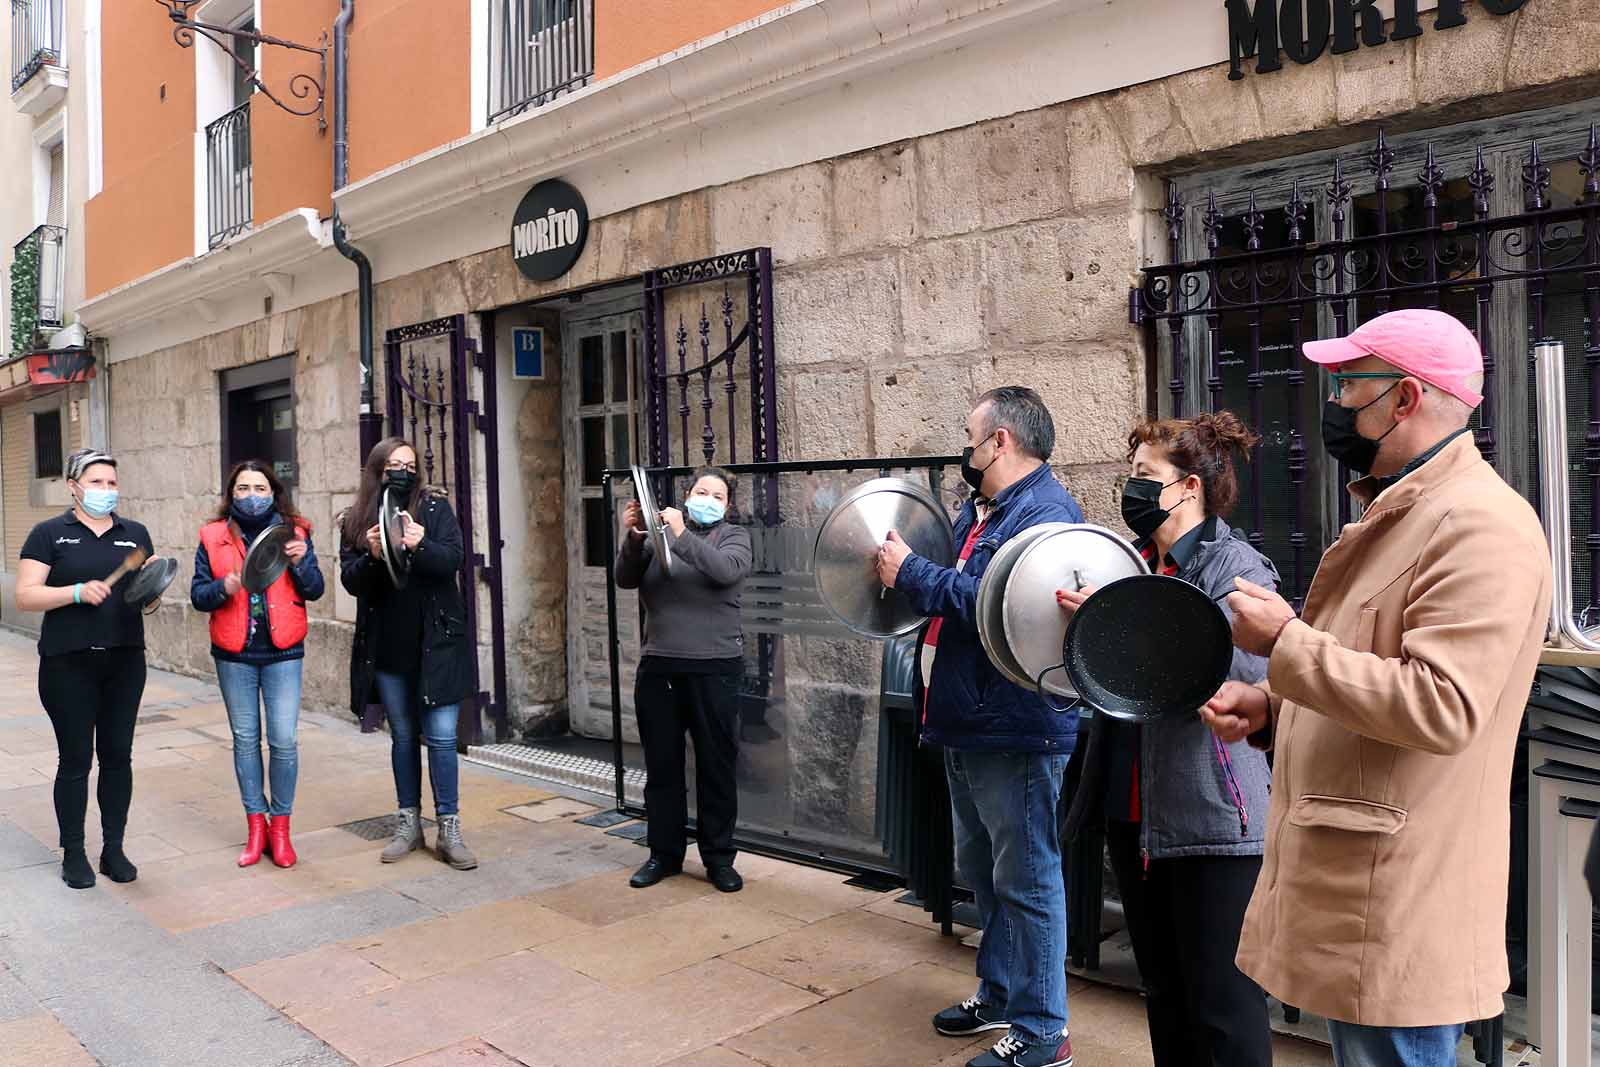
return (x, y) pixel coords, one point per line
(258, 642)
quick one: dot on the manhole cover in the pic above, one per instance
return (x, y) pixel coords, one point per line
(146, 720)
(604, 818)
(376, 828)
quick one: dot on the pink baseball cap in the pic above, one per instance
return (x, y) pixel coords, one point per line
(1425, 344)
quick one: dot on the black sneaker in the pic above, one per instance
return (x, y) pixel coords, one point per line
(1010, 1051)
(971, 1016)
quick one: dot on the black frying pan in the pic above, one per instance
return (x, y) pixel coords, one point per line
(1148, 647)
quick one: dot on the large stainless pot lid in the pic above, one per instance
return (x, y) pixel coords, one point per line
(1024, 625)
(653, 525)
(991, 600)
(265, 559)
(845, 561)
(391, 535)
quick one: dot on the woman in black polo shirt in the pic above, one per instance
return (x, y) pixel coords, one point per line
(91, 658)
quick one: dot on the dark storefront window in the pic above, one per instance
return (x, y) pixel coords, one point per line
(258, 417)
(47, 452)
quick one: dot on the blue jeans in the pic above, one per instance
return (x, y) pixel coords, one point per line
(402, 706)
(1394, 1046)
(245, 688)
(1010, 855)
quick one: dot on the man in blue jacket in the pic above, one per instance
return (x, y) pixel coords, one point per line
(1005, 750)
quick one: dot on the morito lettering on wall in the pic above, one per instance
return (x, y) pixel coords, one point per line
(549, 230)
(1304, 29)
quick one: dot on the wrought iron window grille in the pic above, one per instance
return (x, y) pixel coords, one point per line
(1228, 323)
(230, 204)
(538, 50)
(36, 38)
(38, 285)
(301, 86)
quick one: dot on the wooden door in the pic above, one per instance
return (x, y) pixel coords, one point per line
(600, 416)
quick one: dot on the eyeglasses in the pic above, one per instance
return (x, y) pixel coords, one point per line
(1338, 378)
(412, 467)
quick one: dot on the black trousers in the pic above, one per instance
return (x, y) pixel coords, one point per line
(92, 699)
(705, 707)
(1183, 917)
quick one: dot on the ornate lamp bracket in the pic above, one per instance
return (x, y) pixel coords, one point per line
(301, 86)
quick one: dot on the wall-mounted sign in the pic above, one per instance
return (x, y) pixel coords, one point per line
(527, 353)
(1301, 29)
(61, 368)
(549, 230)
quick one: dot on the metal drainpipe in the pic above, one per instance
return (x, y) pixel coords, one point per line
(371, 421)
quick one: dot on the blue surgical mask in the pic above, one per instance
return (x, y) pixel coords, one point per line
(99, 502)
(705, 510)
(252, 506)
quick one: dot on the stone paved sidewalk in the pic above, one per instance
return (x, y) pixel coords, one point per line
(541, 956)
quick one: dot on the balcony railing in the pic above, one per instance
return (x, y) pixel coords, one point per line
(36, 37)
(538, 50)
(38, 285)
(229, 204)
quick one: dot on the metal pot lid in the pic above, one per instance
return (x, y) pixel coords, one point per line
(150, 581)
(265, 560)
(652, 518)
(391, 535)
(845, 558)
(991, 599)
(1148, 647)
(1067, 556)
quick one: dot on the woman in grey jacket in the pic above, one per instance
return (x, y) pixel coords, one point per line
(1184, 813)
(689, 674)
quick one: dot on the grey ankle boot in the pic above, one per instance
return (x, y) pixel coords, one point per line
(452, 849)
(407, 835)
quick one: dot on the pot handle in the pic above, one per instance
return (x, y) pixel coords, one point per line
(1038, 684)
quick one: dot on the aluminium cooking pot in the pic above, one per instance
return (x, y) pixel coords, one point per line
(1021, 626)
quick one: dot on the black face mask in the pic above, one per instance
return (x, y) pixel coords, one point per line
(1141, 505)
(402, 482)
(973, 476)
(1341, 439)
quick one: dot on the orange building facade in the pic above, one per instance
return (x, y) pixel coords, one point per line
(411, 72)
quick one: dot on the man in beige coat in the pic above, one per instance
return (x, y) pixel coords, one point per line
(1392, 706)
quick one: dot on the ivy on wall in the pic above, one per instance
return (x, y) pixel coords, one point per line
(24, 297)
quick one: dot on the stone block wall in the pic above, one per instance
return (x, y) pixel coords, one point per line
(909, 278)
(166, 430)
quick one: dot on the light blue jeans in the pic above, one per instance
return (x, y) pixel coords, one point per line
(1394, 1046)
(246, 687)
(402, 705)
(1010, 855)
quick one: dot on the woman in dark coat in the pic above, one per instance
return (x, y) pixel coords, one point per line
(1184, 814)
(411, 650)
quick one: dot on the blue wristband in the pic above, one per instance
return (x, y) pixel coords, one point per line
(77, 593)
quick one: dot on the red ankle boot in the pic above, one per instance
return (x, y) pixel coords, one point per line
(256, 842)
(278, 836)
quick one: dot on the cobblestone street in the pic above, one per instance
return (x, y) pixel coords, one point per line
(541, 956)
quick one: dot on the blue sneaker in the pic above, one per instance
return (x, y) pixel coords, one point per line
(971, 1016)
(1011, 1051)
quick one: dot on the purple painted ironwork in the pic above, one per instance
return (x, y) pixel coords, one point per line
(1517, 254)
(750, 342)
(437, 391)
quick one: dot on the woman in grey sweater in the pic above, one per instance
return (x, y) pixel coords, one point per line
(689, 674)
(1185, 814)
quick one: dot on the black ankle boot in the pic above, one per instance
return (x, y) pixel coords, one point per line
(115, 865)
(75, 869)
